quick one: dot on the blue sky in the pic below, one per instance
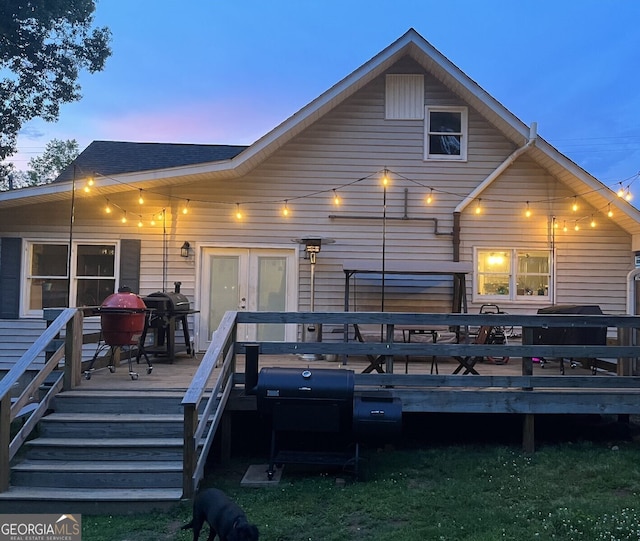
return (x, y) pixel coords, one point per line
(223, 72)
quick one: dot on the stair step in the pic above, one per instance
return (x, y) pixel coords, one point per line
(102, 425)
(107, 474)
(141, 402)
(137, 449)
(90, 501)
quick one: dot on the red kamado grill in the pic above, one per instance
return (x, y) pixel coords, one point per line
(168, 309)
(323, 401)
(122, 322)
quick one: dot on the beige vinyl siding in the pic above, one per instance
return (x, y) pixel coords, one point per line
(352, 142)
(591, 264)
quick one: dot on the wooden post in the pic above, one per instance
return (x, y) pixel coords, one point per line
(225, 438)
(73, 351)
(5, 436)
(189, 450)
(624, 366)
(389, 340)
(528, 434)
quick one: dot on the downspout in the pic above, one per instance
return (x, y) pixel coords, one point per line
(533, 135)
(632, 309)
(499, 170)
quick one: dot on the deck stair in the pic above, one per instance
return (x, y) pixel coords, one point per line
(102, 452)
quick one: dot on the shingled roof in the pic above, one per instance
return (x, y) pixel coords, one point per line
(116, 157)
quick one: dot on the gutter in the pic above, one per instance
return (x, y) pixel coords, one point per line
(533, 136)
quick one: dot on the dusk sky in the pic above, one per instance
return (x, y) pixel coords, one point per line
(222, 72)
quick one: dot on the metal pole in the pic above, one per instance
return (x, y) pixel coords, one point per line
(71, 221)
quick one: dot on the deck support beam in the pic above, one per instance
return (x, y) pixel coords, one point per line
(528, 434)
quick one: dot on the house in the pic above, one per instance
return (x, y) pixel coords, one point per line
(240, 227)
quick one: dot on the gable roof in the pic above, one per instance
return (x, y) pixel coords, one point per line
(117, 157)
(410, 44)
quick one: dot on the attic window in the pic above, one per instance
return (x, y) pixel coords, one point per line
(404, 97)
(446, 133)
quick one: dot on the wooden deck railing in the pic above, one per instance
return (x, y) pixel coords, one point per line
(69, 319)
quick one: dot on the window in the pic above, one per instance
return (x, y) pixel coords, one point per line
(446, 133)
(92, 280)
(512, 274)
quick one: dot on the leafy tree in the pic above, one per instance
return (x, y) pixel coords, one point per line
(43, 46)
(56, 156)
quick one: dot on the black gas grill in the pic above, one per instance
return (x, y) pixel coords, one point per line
(323, 401)
(570, 335)
(168, 311)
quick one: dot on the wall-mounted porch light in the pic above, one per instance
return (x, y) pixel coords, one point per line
(185, 249)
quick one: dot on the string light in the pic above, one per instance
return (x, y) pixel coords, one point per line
(124, 217)
(576, 227)
(140, 224)
(564, 226)
(623, 192)
(385, 177)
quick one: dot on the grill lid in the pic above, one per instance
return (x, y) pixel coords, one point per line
(170, 301)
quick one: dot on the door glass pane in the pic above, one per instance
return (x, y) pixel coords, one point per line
(272, 291)
(223, 288)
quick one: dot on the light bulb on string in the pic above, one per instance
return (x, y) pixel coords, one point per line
(140, 198)
(593, 221)
(430, 197)
(609, 211)
(238, 212)
(107, 208)
(527, 211)
(627, 195)
(478, 208)
(576, 227)
(185, 209)
(124, 217)
(153, 220)
(564, 226)
(140, 224)
(574, 207)
(385, 177)
(620, 191)
(285, 209)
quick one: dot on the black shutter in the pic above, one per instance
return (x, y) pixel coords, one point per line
(130, 264)
(10, 260)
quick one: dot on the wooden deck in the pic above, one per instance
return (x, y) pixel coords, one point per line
(178, 375)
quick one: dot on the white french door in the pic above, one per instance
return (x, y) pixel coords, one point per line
(253, 279)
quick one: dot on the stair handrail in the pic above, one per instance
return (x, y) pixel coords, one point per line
(70, 319)
(199, 430)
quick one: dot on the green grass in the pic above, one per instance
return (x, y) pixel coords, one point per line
(582, 492)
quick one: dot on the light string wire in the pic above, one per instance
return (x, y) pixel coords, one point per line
(623, 192)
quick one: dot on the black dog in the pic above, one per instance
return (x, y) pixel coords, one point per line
(225, 518)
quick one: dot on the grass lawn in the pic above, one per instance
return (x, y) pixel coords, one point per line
(567, 490)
